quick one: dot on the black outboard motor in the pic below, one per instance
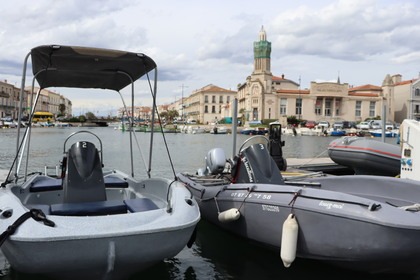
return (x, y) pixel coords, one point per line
(275, 145)
(83, 180)
(255, 165)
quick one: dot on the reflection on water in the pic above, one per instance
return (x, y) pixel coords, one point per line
(216, 254)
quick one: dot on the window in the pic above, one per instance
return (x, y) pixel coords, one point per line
(372, 106)
(227, 99)
(206, 99)
(213, 109)
(213, 99)
(206, 109)
(318, 107)
(298, 106)
(221, 99)
(337, 107)
(327, 111)
(417, 92)
(417, 109)
(220, 109)
(358, 112)
(283, 106)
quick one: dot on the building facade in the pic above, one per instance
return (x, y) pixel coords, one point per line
(414, 112)
(48, 101)
(9, 100)
(264, 96)
(208, 104)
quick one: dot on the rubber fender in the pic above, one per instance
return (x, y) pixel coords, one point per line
(229, 215)
(289, 240)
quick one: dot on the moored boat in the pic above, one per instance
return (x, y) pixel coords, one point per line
(367, 223)
(83, 221)
(366, 156)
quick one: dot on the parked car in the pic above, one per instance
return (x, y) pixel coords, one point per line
(389, 126)
(324, 124)
(347, 124)
(376, 124)
(338, 125)
(363, 125)
(310, 124)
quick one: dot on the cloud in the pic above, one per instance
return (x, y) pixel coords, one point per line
(345, 30)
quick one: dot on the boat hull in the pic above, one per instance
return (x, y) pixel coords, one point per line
(100, 247)
(335, 227)
(366, 156)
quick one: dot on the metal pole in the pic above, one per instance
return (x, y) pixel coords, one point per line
(234, 125)
(383, 121)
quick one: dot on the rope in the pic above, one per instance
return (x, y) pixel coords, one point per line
(35, 214)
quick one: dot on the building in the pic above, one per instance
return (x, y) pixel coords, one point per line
(9, 100)
(264, 96)
(208, 104)
(48, 101)
(414, 101)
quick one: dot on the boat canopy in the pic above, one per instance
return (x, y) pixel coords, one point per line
(84, 67)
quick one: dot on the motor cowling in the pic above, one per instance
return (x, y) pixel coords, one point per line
(255, 165)
(215, 162)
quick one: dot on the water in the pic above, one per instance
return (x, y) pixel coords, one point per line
(215, 254)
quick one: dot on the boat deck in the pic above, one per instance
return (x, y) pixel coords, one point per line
(324, 164)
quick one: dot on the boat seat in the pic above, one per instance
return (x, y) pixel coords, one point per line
(83, 180)
(115, 182)
(46, 184)
(96, 208)
(55, 184)
(140, 204)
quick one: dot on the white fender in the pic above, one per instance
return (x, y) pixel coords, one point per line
(229, 215)
(289, 240)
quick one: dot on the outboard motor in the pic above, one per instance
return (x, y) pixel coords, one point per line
(255, 165)
(276, 145)
(83, 180)
(215, 162)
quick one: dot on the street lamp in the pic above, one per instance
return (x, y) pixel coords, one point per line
(182, 101)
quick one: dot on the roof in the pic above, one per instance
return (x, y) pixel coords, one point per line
(83, 67)
(366, 87)
(213, 88)
(293, 91)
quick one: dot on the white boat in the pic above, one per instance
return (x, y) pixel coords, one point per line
(86, 222)
(219, 130)
(193, 129)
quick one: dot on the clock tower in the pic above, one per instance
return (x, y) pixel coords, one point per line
(262, 52)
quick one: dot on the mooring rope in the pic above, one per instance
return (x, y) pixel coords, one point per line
(35, 214)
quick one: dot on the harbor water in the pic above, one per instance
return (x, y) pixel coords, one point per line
(215, 254)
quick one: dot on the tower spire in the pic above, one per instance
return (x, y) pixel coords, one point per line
(263, 35)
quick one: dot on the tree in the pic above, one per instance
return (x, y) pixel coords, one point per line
(82, 118)
(172, 114)
(90, 116)
(62, 109)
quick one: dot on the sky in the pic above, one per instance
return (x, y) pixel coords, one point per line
(195, 42)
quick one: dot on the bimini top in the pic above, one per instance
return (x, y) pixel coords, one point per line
(82, 67)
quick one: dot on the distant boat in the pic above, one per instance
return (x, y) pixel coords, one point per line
(254, 131)
(388, 133)
(366, 156)
(337, 132)
(218, 130)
